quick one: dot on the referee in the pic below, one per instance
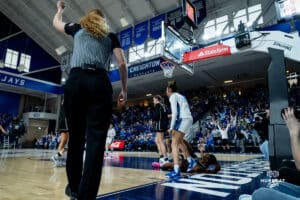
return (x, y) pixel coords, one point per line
(88, 98)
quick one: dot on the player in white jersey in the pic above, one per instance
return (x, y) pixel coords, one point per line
(111, 133)
(181, 123)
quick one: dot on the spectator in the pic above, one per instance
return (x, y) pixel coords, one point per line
(224, 134)
(240, 140)
(210, 144)
(285, 190)
(261, 125)
(254, 135)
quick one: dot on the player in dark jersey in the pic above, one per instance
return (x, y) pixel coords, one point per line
(206, 164)
(64, 137)
(160, 120)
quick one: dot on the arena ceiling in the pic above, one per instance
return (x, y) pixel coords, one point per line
(34, 17)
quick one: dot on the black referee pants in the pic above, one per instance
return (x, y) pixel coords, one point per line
(88, 107)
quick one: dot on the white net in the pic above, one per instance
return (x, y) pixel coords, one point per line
(168, 68)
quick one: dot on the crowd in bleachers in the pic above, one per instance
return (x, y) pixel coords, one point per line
(214, 111)
(12, 127)
(134, 125)
(5, 120)
(49, 141)
(239, 110)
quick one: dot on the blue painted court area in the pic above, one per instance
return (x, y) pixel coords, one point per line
(138, 162)
(233, 180)
(129, 162)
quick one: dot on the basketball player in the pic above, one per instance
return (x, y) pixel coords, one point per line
(64, 136)
(111, 133)
(2, 130)
(88, 98)
(181, 122)
(207, 164)
(160, 119)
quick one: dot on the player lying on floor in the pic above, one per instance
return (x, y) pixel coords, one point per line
(206, 164)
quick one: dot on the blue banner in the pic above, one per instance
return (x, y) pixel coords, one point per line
(175, 18)
(155, 26)
(200, 10)
(141, 32)
(148, 67)
(126, 38)
(140, 69)
(30, 83)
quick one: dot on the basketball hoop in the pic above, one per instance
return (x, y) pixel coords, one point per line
(168, 68)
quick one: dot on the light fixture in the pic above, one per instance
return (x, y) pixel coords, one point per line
(124, 22)
(293, 79)
(61, 50)
(148, 95)
(112, 65)
(228, 81)
(21, 68)
(287, 71)
(232, 29)
(63, 79)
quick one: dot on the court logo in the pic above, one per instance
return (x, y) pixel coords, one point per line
(227, 181)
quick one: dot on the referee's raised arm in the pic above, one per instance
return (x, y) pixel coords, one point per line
(57, 19)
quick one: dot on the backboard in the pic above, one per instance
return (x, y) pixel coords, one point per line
(174, 46)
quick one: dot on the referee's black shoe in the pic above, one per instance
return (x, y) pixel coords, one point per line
(69, 193)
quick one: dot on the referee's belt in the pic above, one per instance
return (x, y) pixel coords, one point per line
(92, 67)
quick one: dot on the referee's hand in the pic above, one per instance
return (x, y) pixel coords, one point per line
(122, 98)
(60, 5)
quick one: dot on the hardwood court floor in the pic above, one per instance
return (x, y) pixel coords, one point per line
(29, 174)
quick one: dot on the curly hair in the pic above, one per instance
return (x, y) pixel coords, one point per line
(94, 22)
